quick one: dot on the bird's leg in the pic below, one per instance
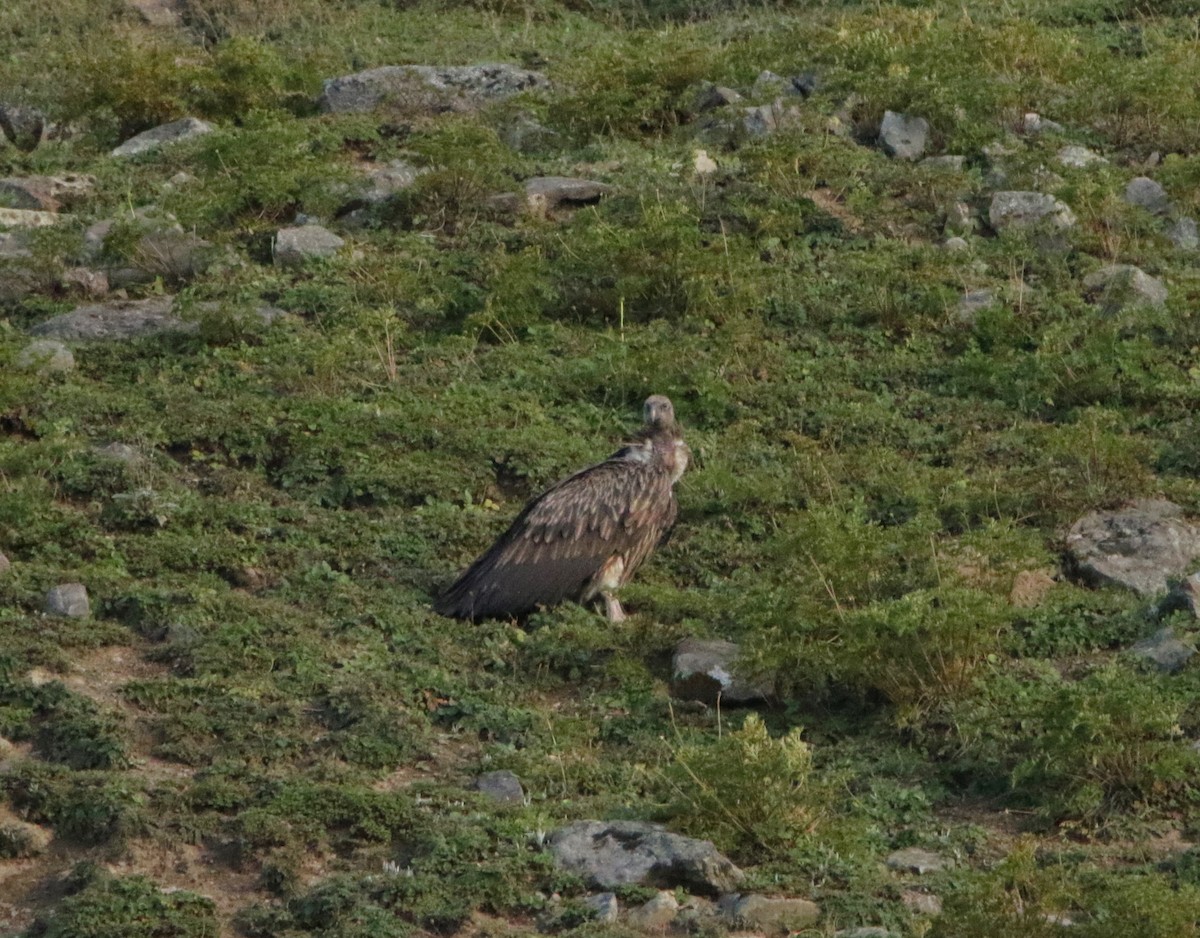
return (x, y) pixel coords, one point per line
(612, 608)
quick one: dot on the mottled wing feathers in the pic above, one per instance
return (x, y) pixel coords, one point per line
(559, 542)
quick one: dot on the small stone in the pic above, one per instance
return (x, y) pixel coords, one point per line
(922, 903)
(603, 906)
(806, 84)
(19, 839)
(656, 914)
(1075, 157)
(380, 183)
(903, 136)
(706, 670)
(768, 85)
(916, 860)
(956, 245)
(703, 164)
(1145, 193)
(502, 787)
(1117, 287)
(83, 280)
(1164, 651)
(1026, 209)
(68, 599)
(48, 356)
(951, 163)
(774, 914)
(296, 246)
(1029, 588)
(1183, 234)
(973, 302)
(766, 119)
(161, 136)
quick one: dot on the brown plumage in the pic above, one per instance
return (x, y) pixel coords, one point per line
(585, 536)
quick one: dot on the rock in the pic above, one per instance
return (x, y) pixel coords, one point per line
(768, 118)
(296, 246)
(120, 452)
(24, 127)
(703, 164)
(773, 914)
(1145, 193)
(806, 84)
(656, 914)
(164, 134)
(427, 87)
(1164, 651)
(46, 193)
(502, 787)
(1183, 233)
(903, 136)
(916, 860)
(1123, 286)
(47, 356)
(1139, 547)
(121, 319)
(603, 906)
(960, 217)
(175, 256)
(1034, 123)
(922, 903)
(85, 281)
(19, 839)
(620, 853)
(956, 245)
(5, 564)
(705, 670)
(27, 218)
(1030, 588)
(949, 163)
(710, 97)
(544, 194)
(68, 599)
(1189, 594)
(1076, 157)
(1026, 209)
(973, 302)
(768, 85)
(161, 14)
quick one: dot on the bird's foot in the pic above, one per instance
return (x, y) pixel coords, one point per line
(612, 608)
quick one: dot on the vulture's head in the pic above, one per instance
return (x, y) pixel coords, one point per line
(658, 412)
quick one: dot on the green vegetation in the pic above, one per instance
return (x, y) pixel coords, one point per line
(262, 693)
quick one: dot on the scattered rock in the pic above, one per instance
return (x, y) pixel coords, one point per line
(656, 914)
(922, 903)
(973, 302)
(916, 860)
(502, 787)
(85, 281)
(296, 246)
(1183, 233)
(806, 84)
(1139, 547)
(1122, 286)
(1026, 209)
(768, 118)
(1034, 123)
(47, 356)
(773, 914)
(903, 136)
(1075, 157)
(949, 163)
(164, 134)
(604, 907)
(19, 839)
(161, 14)
(705, 670)
(1164, 651)
(1030, 588)
(427, 87)
(544, 194)
(27, 218)
(703, 164)
(1145, 193)
(710, 97)
(956, 244)
(121, 319)
(769, 85)
(68, 599)
(24, 127)
(619, 853)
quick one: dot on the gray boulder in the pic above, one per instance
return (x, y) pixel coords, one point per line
(1182, 233)
(296, 246)
(121, 319)
(780, 915)
(603, 906)
(766, 119)
(1076, 157)
(916, 860)
(656, 914)
(1145, 193)
(68, 599)
(428, 87)
(710, 97)
(47, 356)
(502, 787)
(23, 126)
(84, 281)
(380, 183)
(1140, 547)
(1164, 651)
(1122, 286)
(956, 245)
(156, 137)
(608, 854)
(903, 136)
(706, 670)
(544, 194)
(973, 302)
(1027, 209)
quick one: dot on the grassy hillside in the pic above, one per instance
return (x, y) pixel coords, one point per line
(263, 712)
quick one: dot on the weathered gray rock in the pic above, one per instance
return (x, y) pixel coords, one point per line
(766, 119)
(502, 787)
(164, 134)
(604, 907)
(769, 85)
(1188, 594)
(46, 193)
(68, 599)
(951, 163)
(710, 97)
(1145, 193)
(20, 839)
(121, 319)
(380, 183)
(1123, 286)
(779, 915)
(655, 915)
(544, 194)
(903, 136)
(806, 84)
(428, 87)
(922, 903)
(1183, 233)
(706, 670)
(973, 302)
(1034, 123)
(1139, 547)
(23, 126)
(956, 245)
(27, 218)
(916, 860)
(1164, 651)
(1076, 157)
(1026, 209)
(620, 853)
(296, 246)
(47, 356)
(161, 14)
(84, 281)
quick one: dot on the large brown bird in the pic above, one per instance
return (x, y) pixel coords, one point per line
(585, 536)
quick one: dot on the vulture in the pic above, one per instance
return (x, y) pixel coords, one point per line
(583, 537)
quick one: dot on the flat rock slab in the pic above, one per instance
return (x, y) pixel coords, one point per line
(1121, 286)
(164, 134)
(1164, 651)
(608, 854)
(903, 136)
(705, 670)
(916, 860)
(1139, 547)
(68, 599)
(427, 87)
(773, 914)
(1016, 209)
(128, 319)
(545, 193)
